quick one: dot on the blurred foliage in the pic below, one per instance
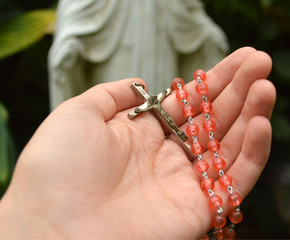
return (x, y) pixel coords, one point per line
(7, 150)
(25, 30)
(262, 24)
(24, 81)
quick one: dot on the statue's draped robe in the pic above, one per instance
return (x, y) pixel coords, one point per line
(106, 40)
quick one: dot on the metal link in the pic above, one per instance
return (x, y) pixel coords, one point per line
(232, 226)
(194, 138)
(219, 210)
(221, 172)
(207, 116)
(198, 79)
(210, 135)
(190, 120)
(204, 175)
(179, 85)
(216, 155)
(199, 156)
(185, 102)
(230, 189)
(210, 192)
(204, 98)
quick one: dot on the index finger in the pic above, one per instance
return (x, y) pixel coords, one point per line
(110, 98)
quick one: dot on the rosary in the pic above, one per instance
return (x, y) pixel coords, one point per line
(195, 149)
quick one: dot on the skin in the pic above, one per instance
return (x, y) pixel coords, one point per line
(90, 172)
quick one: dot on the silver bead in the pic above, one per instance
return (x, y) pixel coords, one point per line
(194, 138)
(185, 102)
(210, 135)
(232, 226)
(206, 116)
(216, 155)
(219, 210)
(238, 208)
(204, 175)
(199, 156)
(230, 189)
(190, 119)
(210, 192)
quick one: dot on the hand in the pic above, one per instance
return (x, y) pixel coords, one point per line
(90, 172)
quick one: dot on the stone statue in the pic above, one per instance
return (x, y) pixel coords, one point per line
(106, 40)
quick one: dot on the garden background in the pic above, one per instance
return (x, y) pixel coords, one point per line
(26, 28)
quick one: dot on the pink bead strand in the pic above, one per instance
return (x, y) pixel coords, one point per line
(213, 145)
(201, 166)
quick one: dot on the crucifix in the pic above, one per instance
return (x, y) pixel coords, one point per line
(152, 103)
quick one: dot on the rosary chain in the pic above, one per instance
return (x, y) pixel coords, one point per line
(224, 179)
(204, 165)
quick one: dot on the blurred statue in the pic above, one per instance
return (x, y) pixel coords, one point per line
(106, 40)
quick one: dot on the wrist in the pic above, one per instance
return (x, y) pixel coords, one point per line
(17, 221)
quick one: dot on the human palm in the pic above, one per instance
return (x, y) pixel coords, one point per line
(89, 171)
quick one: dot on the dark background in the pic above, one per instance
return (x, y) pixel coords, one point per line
(262, 24)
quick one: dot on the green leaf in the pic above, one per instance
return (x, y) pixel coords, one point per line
(24, 30)
(7, 151)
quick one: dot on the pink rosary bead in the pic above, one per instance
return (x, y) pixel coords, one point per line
(218, 163)
(229, 234)
(176, 83)
(235, 216)
(209, 125)
(201, 88)
(192, 130)
(225, 181)
(197, 148)
(188, 111)
(215, 201)
(213, 145)
(201, 166)
(219, 233)
(219, 221)
(181, 94)
(207, 184)
(234, 199)
(199, 74)
(205, 107)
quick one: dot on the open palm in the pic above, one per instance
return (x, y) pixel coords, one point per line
(90, 172)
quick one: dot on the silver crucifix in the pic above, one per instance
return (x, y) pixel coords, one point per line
(152, 103)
